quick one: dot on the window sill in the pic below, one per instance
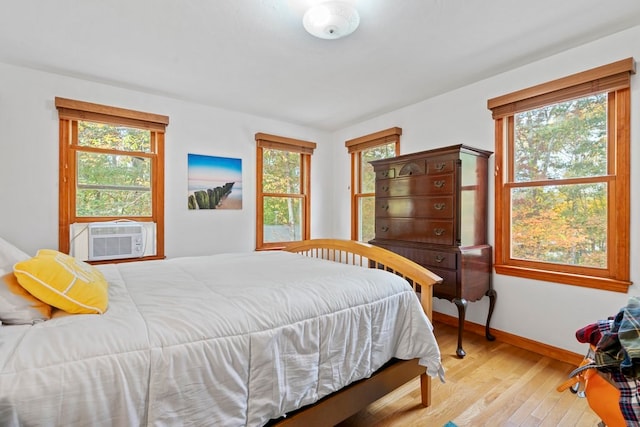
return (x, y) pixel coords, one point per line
(602, 283)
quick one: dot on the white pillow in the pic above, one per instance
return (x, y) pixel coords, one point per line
(9, 255)
(17, 306)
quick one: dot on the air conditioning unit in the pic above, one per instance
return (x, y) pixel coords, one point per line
(115, 240)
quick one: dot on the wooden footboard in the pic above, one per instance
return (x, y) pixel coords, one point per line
(357, 396)
(366, 255)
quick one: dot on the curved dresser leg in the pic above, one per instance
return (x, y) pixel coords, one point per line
(461, 303)
(493, 295)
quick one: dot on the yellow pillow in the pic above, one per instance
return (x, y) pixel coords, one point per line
(63, 282)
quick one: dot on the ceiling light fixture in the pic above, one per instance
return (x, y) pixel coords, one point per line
(331, 20)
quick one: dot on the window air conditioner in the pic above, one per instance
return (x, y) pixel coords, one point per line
(115, 240)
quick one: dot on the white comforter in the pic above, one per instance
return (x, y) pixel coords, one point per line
(223, 340)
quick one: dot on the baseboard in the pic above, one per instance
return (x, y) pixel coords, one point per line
(514, 340)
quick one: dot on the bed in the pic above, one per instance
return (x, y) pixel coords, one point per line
(304, 336)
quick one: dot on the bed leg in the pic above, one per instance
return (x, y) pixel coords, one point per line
(425, 389)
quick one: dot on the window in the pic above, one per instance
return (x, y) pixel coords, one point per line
(111, 169)
(376, 146)
(562, 179)
(283, 190)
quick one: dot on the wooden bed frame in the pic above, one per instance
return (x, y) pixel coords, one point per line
(342, 404)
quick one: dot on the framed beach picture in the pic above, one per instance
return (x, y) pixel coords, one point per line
(214, 182)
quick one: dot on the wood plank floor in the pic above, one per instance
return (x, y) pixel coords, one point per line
(496, 384)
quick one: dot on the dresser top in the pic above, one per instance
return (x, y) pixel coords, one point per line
(452, 149)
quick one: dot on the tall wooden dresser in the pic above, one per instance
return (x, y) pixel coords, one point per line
(431, 207)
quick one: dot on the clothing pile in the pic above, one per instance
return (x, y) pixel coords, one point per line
(615, 344)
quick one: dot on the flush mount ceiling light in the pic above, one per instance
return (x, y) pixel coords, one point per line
(331, 20)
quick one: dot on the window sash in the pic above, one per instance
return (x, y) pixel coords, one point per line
(294, 218)
(293, 162)
(565, 228)
(74, 152)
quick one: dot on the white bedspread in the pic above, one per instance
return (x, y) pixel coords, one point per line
(223, 340)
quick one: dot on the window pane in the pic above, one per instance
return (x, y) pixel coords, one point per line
(564, 140)
(282, 220)
(100, 135)
(113, 185)
(366, 213)
(367, 176)
(565, 224)
(281, 172)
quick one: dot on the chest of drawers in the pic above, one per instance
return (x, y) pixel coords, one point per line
(431, 207)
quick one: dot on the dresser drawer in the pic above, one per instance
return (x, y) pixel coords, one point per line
(425, 185)
(407, 207)
(415, 230)
(426, 257)
(438, 166)
(449, 287)
(386, 174)
(446, 268)
(431, 259)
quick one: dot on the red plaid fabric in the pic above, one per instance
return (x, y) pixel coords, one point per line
(629, 397)
(629, 387)
(591, 334)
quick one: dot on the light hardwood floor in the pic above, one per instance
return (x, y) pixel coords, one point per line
(496, 384)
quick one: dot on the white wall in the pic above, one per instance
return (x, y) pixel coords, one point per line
(545, 312)
(29, 162)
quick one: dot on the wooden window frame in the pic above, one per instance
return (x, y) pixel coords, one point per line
(355, 147)
(305, 149)
(615, 80)
(69, 113)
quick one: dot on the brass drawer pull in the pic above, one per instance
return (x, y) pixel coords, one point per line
(440, 166)
(385, 174)
(438, 231)
(439, 258)
(384, 228)
(439, 183)
(385, 188)
(439, 206)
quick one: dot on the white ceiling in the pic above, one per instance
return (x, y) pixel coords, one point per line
(254, 56)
